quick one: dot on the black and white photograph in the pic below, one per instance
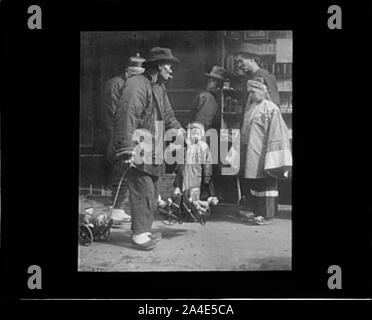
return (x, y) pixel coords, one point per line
(185, 146)
(148, 155)
(0, 184)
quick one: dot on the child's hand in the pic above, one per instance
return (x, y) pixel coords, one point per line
(213, 201)
(162, 203)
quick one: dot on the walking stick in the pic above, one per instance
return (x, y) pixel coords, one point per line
(120, 183)
(239, 190)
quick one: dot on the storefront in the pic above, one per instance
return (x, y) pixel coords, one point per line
(104, 54)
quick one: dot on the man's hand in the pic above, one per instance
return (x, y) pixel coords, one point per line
(207, 179)
(126, 156)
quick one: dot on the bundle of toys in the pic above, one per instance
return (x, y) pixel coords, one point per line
(93, 227)
(184, 207)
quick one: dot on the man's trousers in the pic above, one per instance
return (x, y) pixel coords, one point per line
(143, 196)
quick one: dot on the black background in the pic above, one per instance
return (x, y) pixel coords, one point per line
(331, 214)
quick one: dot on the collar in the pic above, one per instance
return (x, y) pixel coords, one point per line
(152, 78)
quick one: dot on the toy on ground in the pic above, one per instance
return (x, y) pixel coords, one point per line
(93, 228)
(185, 207)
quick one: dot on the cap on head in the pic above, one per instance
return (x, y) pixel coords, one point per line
(256, 86)
(135, 64)
(217, 73)
(259, 79)
(194, 125)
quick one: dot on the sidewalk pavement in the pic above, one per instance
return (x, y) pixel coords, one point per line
(227, 242)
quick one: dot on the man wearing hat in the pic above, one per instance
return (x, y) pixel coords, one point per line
(248, 62)
(111, 171)
(265, 154)
(145, 113)
(206, 106)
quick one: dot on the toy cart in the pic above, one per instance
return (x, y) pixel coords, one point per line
(94, 228)
(179, 209)
(97, 227)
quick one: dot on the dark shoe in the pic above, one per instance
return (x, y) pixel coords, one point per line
(156, 236)
(149, 245)
(246, 214)
(117, 224)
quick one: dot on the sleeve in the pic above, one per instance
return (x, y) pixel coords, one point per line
(112, 93)
(273, 89)
(206, 110)
(171, 121)
(272, 86)
(131, 106)
(278, 157)
(109, 107)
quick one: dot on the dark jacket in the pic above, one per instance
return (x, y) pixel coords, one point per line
(206, 109)
(112, 93)
(111, 96)
(141, 104)
(271, 84)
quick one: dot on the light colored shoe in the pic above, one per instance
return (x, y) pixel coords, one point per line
(120, 215)
(143, 241)
(262, 221)
(156, 236)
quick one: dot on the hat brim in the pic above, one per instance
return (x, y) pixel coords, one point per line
(170, 59)
(253, 55)
(214, 76)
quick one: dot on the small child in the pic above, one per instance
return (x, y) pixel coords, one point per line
(194, 176)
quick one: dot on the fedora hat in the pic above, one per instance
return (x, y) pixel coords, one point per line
(217, 73)
(247, 49)
(162, 54)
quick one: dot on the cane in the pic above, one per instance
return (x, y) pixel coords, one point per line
(120, 183)
(239, 191)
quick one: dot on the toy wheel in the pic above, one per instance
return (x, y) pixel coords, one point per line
(167, 217)
(168, 220)
(106, 234)
(85, 235)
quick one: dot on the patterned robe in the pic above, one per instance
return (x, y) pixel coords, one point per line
(265, 147)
